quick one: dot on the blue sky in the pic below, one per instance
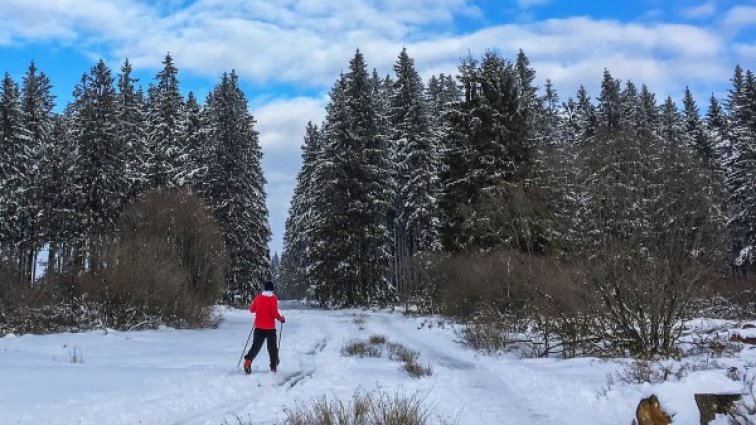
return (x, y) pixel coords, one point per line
(288, 52)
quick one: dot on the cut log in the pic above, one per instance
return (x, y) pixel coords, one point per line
(709, 405)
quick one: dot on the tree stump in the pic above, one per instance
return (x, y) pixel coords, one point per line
(709, 405)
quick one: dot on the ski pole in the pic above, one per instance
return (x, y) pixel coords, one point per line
(245, 345)
(279, 336)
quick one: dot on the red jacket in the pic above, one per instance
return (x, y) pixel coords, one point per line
(265, 308)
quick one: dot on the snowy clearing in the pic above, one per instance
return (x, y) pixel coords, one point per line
(169, 376)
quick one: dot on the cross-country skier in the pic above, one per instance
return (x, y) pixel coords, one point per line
(265, 309)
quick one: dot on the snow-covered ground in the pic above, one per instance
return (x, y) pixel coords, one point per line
(169, 376)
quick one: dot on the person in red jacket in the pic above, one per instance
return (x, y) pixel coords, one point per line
(265, 309)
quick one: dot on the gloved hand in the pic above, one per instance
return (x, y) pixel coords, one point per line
(283, 319)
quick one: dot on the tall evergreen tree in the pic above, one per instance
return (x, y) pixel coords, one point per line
(131, 130)
(489, 157)
(715, 127)
(100, 182)
(54, 186)
(694, 134)
(198, 148)
(610, 104)
(741, 168)
(36, 118)
(351, 239)
(14, 159)
(296, 259)
(168, 156)
(415, 228)
(235, 187)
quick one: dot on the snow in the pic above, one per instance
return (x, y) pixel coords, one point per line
(169, 376)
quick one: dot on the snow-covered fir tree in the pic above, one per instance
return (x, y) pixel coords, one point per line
(168, 157)
(415, 227)
(37, 107)
(350, 245)
(131, 129)
(741, 167)
(198, 148)
(100, 182)
(54, 186)
(235, 187)
(296, 260)
(15, 157)
(485, 164)
(693, 132)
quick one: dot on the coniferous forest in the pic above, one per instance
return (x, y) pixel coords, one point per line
(410, 191)
(482, 194)
(68, 181)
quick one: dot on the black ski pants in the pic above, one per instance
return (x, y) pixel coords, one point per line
(260, 336)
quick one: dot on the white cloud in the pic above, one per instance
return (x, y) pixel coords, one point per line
(308, 42)
(746, 51)
(281, 123)
(739, 17)
(66, 20)
(526, 4)
(703, 10)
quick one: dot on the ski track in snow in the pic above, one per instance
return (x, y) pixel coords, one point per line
(190, 377)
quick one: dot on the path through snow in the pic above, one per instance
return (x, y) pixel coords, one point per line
(169, 376)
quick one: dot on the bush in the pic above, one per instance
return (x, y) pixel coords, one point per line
(168, 266)
(364, 409)
(361, 349)
(744, 412)
(509, 299)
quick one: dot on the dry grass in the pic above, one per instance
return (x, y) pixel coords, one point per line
(360, 349)
(377, 345)
(364, 409)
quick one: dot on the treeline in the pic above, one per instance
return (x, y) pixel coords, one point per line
(67, 178)
(403, 176)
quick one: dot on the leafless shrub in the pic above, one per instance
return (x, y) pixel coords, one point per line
(398, 352)
(744, 412)
(417, 370)
(377, 345)
(360, 349)
(364, 409)
(732, 299)
(490, 336)
(509, 299)
(655, 371)
(168, 265)
(713, 343)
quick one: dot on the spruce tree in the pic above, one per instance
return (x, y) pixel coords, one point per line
(54, 188)
(36, 119)
(350, 235)
(131, 130)
(198, 148)
(694, 134)
(167, 162)
(14, 157)
(235, 187)
(295, 260)
(490, 158)
(741, 168)
(715, 127)
(100, 182)
(415, 228)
